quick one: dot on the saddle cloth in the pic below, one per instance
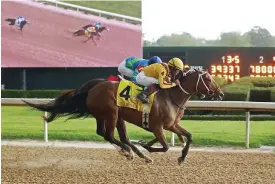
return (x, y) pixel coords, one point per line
(126, 96)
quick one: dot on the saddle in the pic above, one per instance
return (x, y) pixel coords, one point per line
(91, 29)
(118, 78)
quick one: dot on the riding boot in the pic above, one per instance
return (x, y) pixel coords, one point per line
(143, 96)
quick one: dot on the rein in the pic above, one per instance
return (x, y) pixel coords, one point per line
(174, 103)
(200, 78)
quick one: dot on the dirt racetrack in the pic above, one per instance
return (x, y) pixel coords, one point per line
(85, 165)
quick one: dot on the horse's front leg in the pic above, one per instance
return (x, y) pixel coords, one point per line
(148, 144)
(94, 40)
(90, 37)
(159, 137)
(180, 137)
(98, 36)
(152, 142)
(177, 121)
(179, 130)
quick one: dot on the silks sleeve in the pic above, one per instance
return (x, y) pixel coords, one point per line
(135, 73)
(162, 74)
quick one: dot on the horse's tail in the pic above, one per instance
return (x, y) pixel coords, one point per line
(9, 19)
(78, 32)
(71, 103)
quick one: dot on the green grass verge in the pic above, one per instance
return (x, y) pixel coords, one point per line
(23, 122)
(129, 8)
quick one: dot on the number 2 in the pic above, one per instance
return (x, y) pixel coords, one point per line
(261, 59)
(125, 93)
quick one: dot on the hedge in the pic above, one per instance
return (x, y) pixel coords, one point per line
(244, 89)
(30, 93)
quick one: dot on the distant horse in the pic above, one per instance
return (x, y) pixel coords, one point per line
(100, 102)
(90, 31)
(13, 21)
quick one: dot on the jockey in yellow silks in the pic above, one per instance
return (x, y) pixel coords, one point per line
(158, 73)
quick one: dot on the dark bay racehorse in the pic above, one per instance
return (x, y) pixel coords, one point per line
(96, 33)
(165, 114)
(12, 23)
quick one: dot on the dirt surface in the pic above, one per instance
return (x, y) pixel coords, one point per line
(85, 165)
(48, 42)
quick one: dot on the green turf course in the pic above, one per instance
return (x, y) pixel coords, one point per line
(129, 8)
(23, 122)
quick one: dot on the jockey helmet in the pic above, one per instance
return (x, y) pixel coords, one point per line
(154, 59)
(176, 63)
(98, 23)
(20, 17)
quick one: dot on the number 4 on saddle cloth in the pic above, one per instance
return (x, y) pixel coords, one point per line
(126, 97)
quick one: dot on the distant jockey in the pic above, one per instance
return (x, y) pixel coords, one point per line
(97, 25)
(18, 20)
(131, 66)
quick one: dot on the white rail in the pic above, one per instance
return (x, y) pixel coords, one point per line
(100, 13)
(194, 105)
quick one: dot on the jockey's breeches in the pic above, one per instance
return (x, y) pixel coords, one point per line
(143, 80)
(124, 70)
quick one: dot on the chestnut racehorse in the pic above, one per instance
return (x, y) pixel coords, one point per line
(100, 101)
(96, 32)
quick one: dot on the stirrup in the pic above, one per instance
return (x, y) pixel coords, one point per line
(143, 98)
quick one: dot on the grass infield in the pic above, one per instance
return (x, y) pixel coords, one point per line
(26, 123)
(129, 8)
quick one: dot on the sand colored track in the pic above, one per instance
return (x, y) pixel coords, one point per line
(86, 165)
(47, 41)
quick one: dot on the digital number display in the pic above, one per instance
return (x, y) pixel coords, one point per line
(229, 69)
(230, 63)
(264, 68)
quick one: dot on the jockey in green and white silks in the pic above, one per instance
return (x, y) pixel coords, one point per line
(18, 20)
(131, 66)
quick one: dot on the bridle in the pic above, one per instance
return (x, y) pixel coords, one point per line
(200, 78)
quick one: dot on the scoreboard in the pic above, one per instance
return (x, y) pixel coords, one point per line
(230, 63)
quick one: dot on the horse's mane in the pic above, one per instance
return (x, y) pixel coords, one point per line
(193, 70)
(182, 76)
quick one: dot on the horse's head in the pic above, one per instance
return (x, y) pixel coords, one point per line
(103, 28)
(202, 83)
(23, 23)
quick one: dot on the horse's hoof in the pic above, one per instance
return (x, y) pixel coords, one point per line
(130, 155)
(148, 160)
(180, 160)
(122, 152)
